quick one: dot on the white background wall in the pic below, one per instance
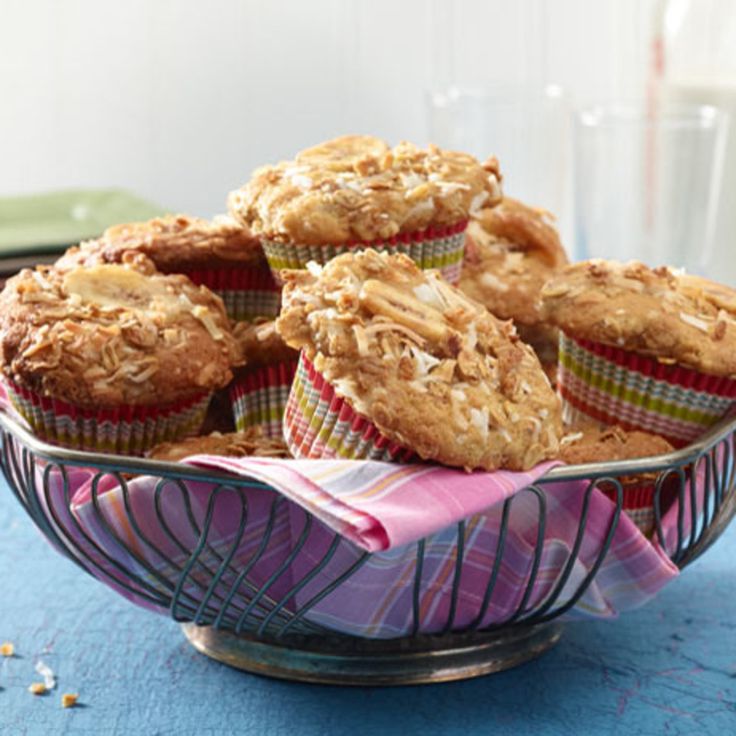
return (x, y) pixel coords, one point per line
(180, 100)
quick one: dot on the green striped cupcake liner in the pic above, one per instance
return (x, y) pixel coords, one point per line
(320, 424)
(259, 395)
(437, 248)
(638, 392)
(127, 430)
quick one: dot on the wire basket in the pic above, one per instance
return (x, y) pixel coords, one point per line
(264, 626)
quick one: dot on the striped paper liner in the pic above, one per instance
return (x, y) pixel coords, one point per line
(259, 395)
(637, 392)
(320, 424)
(248, 292)
(440, 248)
(127, 430)
(638, 503)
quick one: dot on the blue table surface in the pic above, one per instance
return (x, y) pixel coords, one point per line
(667, 668)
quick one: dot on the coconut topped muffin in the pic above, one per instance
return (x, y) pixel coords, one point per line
(356, 188)
(514, 250)
(109, 335)
(511, 250)
(175, 243)
(261, 345)
(658, 312)
(251, 443)
(592, 443)
(431, 369)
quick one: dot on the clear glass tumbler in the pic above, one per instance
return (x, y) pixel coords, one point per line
(646, 186)
(527, 128)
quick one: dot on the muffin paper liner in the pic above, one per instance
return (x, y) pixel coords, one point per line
(248, 292)
(259, 397)
(440, 248)
(320, 424)
(127, 430)
(637, 392)
(638, 503)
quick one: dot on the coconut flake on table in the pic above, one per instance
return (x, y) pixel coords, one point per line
(49, 678)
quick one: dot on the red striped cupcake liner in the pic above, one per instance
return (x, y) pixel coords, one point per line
(320, 424)
(638, 503)
(440, 248)
(125, 430)
(258, 397)
(248, 292)
(638, 392)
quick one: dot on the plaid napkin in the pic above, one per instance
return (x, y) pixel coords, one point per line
(327, 514)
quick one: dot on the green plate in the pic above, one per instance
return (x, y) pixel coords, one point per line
(49, 223)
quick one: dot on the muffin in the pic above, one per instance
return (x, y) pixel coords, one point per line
(111, 358)
(355, 191)
(251, 443)
(396, 364)
(648, 349)
(261, 387)
(219, 254)
(511, 250)
(589, 443)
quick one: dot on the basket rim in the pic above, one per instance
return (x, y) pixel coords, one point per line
(127, 464)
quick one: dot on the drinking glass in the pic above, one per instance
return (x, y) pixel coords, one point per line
(646, 184)
(526, 127)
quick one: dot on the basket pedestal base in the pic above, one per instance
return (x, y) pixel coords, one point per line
(375, 662)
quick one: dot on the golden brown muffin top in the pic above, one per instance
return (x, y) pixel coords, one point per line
(510, 252)
(260, 344)
(109, 335)
(175, 243)
(659, 312)
(432, 369)
(591, 443)
(250, 443)
(356, 188)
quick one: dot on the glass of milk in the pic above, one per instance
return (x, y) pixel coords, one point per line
(647, 183)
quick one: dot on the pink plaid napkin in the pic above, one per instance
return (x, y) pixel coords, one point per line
(386, 509)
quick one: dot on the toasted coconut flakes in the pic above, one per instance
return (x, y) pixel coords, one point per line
(479, 419)
(7, 649)
(425, 361)
(426, 294)
(694, 322)
(145, 374)
(205, 317)
(314, 268)
(361, 340)
(477, 202)
(417, 386)
(49, 678)
(493, 282)
(505, 434)
(394, 326)
(37, 688)
(568, 439)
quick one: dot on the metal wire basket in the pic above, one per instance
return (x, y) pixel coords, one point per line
(257, 626)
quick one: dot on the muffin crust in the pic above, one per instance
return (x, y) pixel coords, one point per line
(110, 335)
(659, 312)
(433, 370)
(175, 244)
(356, 188)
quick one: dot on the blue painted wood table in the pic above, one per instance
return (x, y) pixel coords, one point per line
(668, 668)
